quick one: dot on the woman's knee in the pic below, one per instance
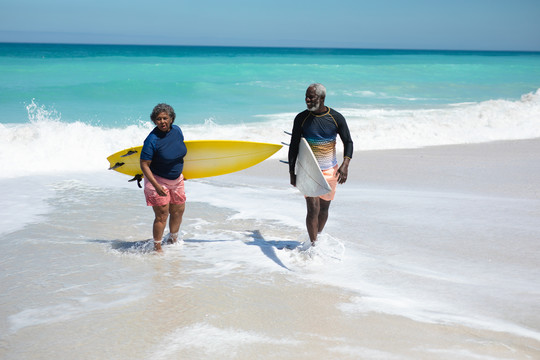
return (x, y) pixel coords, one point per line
(161, 213)
(177, 209)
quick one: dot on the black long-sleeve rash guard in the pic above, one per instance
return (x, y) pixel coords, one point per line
(321, 132)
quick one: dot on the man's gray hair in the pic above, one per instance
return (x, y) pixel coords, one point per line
(320, 90)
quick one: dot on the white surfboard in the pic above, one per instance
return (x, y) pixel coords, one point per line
(309, 177)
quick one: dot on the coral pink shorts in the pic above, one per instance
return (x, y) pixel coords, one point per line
(174, 189)
(331, 176)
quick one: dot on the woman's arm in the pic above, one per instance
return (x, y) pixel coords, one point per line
(145, 167)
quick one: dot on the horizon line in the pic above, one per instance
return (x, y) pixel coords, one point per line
(262, 46)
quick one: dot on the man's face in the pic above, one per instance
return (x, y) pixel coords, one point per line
(313, 101)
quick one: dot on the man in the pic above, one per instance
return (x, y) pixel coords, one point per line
(320, 125)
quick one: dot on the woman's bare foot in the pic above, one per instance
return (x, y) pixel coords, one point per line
(172, 238)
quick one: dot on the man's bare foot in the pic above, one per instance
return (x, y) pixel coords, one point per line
(157, 247)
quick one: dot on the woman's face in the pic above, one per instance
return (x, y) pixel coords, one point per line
(163, 122)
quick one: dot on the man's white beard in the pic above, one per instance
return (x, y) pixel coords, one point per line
(314, 107)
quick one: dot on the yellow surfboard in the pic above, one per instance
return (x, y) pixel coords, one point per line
(204, 158)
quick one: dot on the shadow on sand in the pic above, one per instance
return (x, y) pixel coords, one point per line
(131, 247)
(268, 248)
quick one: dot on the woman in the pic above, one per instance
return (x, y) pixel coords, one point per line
(162, 162)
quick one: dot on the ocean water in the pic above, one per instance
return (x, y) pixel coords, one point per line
(78, 277)
(84, 102)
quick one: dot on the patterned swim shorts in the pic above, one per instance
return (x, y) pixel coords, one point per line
(174, 189)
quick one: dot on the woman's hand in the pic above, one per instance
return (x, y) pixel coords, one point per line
(145, 167)
(160, 190)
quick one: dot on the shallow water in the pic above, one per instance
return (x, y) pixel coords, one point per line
(80, 277)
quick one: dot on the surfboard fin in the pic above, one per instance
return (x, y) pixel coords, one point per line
(116, 166)
(284, 143)
(283, 161)
(130, 152)
(139, 178)
(288, 133)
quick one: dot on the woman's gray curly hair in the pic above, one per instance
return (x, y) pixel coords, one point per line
(159, 108)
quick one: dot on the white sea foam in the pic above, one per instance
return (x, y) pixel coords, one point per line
(247, 199)
(72, 308)
(328, 251)
(210, 341)
(456, 124)
(22, 206)
(47, 144)
(366, 353)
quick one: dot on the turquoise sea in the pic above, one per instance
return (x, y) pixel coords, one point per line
(438, 260)
(114, 86)
(100, 96)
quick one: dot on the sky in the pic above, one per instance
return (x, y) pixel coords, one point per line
(375, 24)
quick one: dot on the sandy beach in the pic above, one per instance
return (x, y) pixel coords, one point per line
(505, 168)
(439, 261)
(480, 172)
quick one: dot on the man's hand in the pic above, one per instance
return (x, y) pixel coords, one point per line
(343, 171)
